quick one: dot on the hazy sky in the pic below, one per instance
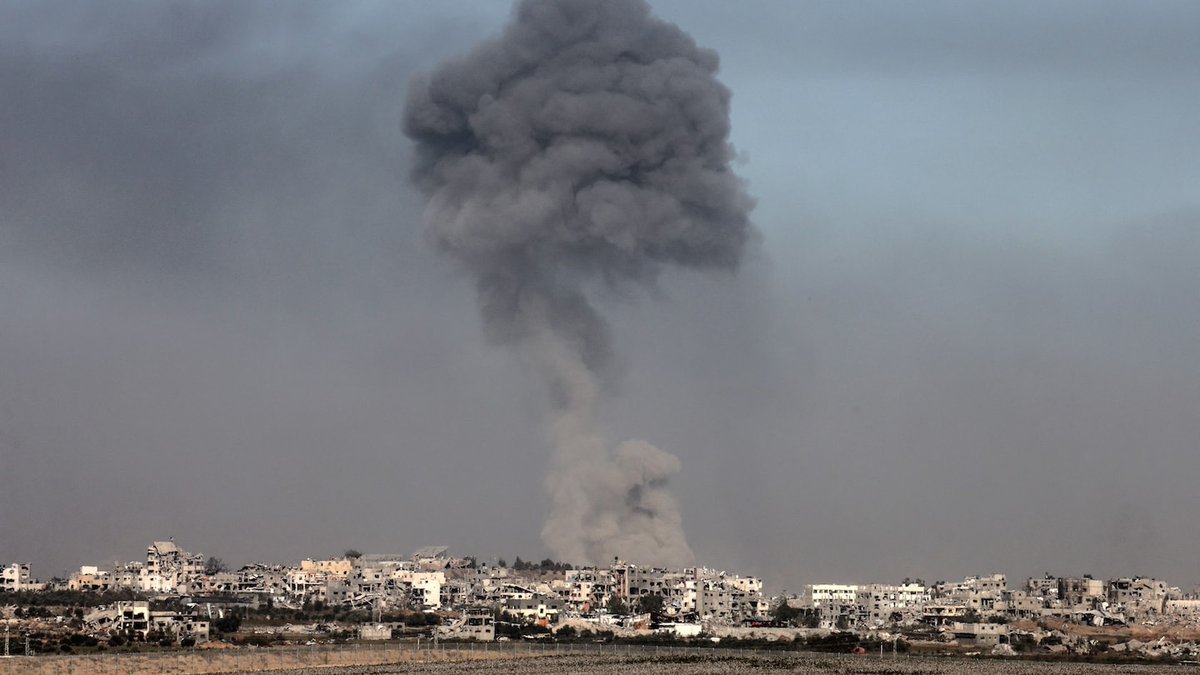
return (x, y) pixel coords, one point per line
(968, 340)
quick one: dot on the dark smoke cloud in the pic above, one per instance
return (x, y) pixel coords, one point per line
(588, 142)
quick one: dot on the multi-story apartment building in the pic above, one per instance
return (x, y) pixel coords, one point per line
(879, 604)
(1081, 591)
(588, 589)
(18, 577)
(1137, 597)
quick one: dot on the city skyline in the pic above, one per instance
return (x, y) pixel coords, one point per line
(963, 340)
(185, 564)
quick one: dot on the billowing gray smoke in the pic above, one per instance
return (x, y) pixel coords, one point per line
(588, 142)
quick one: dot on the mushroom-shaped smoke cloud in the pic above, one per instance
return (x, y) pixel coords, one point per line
(588, 141)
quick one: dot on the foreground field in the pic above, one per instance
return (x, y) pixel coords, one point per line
(718, 664)
(540, 659)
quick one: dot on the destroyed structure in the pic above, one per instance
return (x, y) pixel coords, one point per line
(467, 599)
(1082, 600)
(467, 594)
(16, 577)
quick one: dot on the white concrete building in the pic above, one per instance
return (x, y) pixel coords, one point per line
(424, 588)
(818, 596)
(538, 608)
(90, 578)
(836, 603)
(17, 577)
(880, 604)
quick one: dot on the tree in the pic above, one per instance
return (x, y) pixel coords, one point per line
(796, 616)
(785, 613)
(651, 603)
(230, 623)
(616, 605)
(352, 554)
(214, 565)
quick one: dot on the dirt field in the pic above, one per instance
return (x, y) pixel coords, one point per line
(727, 665)
(240, 661)
(524, 662)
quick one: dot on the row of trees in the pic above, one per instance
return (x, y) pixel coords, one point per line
(783, 613)
(64, 598)
(546, 565)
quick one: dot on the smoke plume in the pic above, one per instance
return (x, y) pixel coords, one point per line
(589, 142)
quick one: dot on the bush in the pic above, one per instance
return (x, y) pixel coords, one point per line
(230, 623)
(260, 640)
(834, 642)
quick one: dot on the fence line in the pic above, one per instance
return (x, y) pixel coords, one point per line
(200, 661)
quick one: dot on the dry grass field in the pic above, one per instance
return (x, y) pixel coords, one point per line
(719, 664)
(528, 660)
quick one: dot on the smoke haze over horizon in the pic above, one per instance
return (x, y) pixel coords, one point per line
(967, 342)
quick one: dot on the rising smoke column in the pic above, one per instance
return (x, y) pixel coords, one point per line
(588, 142)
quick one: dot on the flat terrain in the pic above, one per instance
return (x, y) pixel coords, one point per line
(723, 665)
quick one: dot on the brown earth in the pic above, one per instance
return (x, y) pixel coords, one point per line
(237, 660)
(1117, 634)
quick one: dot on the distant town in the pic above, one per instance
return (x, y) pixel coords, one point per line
(175, 598)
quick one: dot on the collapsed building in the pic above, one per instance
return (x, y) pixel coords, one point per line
(1083, 600)
(431, 580)
(18, 577)
(168, 570)
(134, 618)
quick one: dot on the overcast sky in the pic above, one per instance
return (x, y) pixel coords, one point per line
(968, 340)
